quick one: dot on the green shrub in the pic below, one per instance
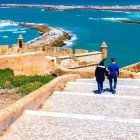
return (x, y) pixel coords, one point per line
(29, 87)
(6, 84)
(22, 80)
(6, 74)
(8, 80)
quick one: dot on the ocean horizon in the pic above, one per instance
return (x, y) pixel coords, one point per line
(89, 28)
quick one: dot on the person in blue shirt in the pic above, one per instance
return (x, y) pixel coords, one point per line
(113, 69)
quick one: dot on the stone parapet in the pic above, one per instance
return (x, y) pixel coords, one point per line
(33, 101)
(133, 68)
(131, 71)
(81, 51)
(79, 60)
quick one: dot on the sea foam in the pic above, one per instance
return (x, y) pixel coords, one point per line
(17, 32)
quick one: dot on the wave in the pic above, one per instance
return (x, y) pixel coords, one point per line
(5, 36)
(69, 43)
(135, 15)
(17, 32)
(23, 29)
(91, 18)
(42, 9)
(110, 19)
(113, 19)
(73, 37)
(9, 30)
(5, 7)
(4, 23)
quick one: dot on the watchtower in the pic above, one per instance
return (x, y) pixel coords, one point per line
(20, 41)
(104, 50)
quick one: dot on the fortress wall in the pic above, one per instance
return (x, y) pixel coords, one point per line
(80, 59)
(26, 64)
(93, 57)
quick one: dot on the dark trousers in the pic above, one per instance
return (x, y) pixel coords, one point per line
(112, 82)
(100, 86)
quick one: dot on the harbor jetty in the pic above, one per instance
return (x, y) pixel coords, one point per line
(62, 7)
(49, 36)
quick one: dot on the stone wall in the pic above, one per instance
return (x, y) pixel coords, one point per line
(131, 71)
(33, 100)
(133, 68)
(80, 59)
(27, 63)
(80, 51)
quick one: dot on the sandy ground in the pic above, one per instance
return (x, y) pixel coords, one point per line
(8, 97)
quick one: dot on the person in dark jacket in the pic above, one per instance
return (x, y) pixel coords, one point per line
(100, 76)
(113, 69)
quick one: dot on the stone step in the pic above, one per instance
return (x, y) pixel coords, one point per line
(107, 105)
(126, 81)
(91, 88)
(38, 125)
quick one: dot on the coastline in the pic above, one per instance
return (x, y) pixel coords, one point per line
(62, 7)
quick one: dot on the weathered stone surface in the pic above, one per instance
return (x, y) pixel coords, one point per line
(26, 64)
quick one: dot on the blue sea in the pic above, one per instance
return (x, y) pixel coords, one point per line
(90, 28)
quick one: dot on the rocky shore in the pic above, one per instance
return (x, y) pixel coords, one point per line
(62, 7)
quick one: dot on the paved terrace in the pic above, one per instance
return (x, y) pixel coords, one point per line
(79, 114)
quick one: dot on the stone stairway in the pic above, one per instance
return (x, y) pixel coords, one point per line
(76, 113)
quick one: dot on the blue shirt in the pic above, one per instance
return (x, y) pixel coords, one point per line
(113, 69)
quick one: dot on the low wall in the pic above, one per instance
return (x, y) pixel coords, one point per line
(80, 59)
(84, 73)
(32, 101)
(27, 63)
(131, 71)
(133, 68)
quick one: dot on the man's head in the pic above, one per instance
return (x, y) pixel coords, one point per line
(112, 59)
(101, 63)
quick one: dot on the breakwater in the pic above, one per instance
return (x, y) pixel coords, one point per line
(49, 36)
(62, 7)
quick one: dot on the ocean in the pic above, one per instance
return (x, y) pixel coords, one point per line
(89, 28)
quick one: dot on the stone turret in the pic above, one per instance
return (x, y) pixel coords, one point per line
(104, 51)
(20, 41)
